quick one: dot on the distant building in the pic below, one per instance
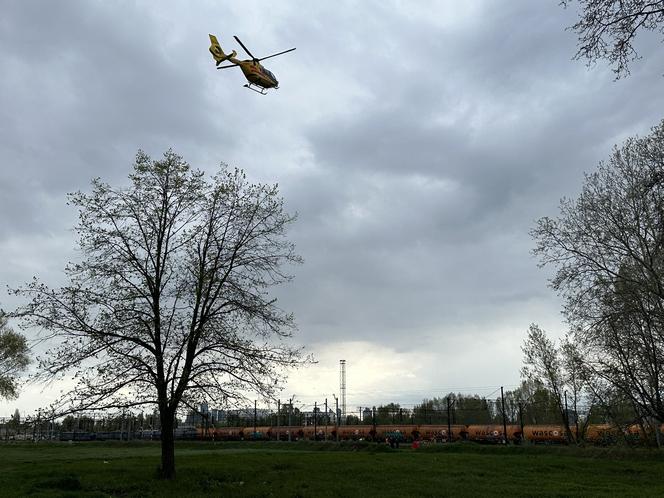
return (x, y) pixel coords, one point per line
(205, 415)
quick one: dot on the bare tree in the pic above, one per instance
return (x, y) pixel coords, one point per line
(607, 247)
(607, 29)
(626, 348)
(543, 364)
(537, 404)
(169, 304)
(576, 381)
(14, 359)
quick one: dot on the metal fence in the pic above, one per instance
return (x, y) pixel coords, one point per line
(504, 415)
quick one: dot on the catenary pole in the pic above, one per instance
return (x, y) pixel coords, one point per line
(502, 398)
(373, 415)
(566, 421)
(336, 417)
(449, 422)
(290, 412)
(521, 420)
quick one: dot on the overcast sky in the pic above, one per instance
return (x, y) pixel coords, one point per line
(418, 141)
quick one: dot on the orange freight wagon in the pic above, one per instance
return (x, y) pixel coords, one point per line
(354, 432)
(602, 434)
(545, 433)
(439, 432)
(493, 433)
(321, 432)
(401, 432)
(228, 433)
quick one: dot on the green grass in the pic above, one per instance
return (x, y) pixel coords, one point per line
(327, 469)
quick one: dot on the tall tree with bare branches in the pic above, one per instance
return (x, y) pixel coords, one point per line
(607, 249)
(607, 29)
(169, 303)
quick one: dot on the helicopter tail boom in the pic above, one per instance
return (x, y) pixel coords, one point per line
(218, 53)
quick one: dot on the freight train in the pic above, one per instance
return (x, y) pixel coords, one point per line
(548, 434)
(600, 434)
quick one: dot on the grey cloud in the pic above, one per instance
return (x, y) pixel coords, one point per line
(418, 143)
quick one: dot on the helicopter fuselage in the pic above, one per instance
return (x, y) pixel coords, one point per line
(256, 73)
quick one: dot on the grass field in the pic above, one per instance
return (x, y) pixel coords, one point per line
(327, 469)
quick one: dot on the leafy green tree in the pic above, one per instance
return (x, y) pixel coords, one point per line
(473, 409)
(434, 410)
(542, 363)
(14, 359)
(16, 418)
(537, 404)
(388, 414)
(350, 420)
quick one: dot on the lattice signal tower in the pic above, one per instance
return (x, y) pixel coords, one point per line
(342, 389)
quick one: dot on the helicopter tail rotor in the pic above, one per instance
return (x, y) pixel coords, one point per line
(217, 52)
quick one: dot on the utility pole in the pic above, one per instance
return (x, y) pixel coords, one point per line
(502, 397)
(521, 419)
(278, 417)
(326, 419)
(255, 428)
(290, 412)
(315, 421)
(449, 421)
(373, 416)
(566, 420)
(336, 417)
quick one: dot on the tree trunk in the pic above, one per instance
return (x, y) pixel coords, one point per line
(167, 469)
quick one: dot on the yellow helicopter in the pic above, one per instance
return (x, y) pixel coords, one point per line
(256, 74)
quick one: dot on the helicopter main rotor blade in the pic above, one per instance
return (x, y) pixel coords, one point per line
(274, 55)
(245, 48)
(226, 67)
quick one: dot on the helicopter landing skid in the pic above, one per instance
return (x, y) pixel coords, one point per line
(262, 91)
